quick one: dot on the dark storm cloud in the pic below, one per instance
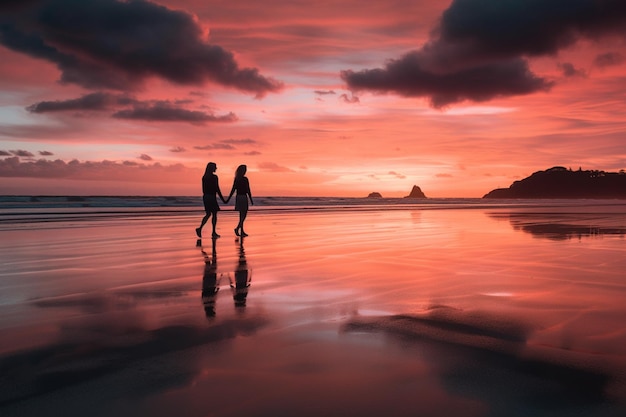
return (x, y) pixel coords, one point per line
(94, 102)
(497, 28)
(118, 44)
(608, 59)
(480, 48)
(407, 76)
(164, 111)
(151, 110)
(12, 5)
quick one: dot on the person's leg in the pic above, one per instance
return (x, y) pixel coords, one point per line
(242, 217)
(204, 220)
(214, 223)
(238, 224)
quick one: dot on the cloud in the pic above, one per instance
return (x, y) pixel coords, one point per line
(150, 110)
(45, 153)
(273, 167)
(252, 153)
(244, 141)
(408, 77)
(94, 102)
(397, 175)
(164, 111)
(352, 99)
(493, 28)
(5, 153)
(480, 49)
(569, 70)
(608, 59)
(178, 149)
(22, 153)
(324, 92)
(145, 157)
(93, 170)
(228, 144)
(119, 44)
(213, 146)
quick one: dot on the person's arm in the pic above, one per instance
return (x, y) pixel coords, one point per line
(232, 190)
(250, 193)
(219, 192)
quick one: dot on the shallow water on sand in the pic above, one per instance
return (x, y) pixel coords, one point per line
(482, 311)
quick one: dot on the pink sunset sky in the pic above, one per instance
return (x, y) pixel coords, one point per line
(317, 98)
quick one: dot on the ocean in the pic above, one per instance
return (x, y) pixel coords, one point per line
(194, 202)
(24, 207)
(18, 211)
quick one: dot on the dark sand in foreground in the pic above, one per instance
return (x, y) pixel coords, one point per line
(456, 312)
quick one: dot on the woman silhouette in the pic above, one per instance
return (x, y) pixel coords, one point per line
(210, 188)
(242, 186)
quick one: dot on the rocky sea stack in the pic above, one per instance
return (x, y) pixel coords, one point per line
(416, 192)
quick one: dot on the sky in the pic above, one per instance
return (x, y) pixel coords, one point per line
(317, 98)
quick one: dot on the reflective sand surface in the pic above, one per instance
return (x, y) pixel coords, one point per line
(435, 312)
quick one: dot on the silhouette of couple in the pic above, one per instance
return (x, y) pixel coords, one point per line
(210, 191)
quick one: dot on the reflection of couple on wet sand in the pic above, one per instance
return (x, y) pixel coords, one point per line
(210, 191)
(211, 283)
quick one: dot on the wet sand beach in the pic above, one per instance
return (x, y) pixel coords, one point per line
(455, 311)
